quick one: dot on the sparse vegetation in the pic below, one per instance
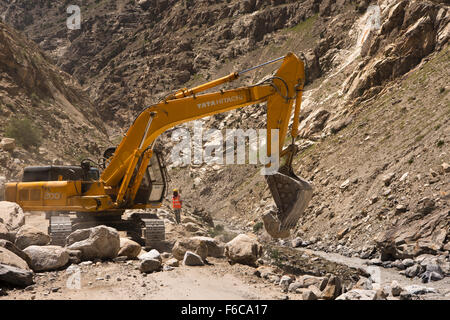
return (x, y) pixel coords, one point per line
(257, 226)
(24, 132)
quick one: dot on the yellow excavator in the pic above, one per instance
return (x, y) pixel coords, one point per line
(133, 175)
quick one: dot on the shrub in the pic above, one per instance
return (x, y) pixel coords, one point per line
(24, 132)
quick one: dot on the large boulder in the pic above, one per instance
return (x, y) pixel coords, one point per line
(199, 247)
(8, 245)
(47, 258)
(31, 236)
(215, 247)
(100, 242)
(15, 276)
(129, 248)
(243, 249)
(11, 259)
(12, 215)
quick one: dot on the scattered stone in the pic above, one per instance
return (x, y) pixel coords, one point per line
(333, 288)
(396, 289)
(413, 271)
(46, 258)
(120, 259)
(400, 208)
(380, 294)
(309, 295)
(398, 264)
(343, 232)
(244, 250)
(192, 259)
(172, 262)
(297, 242)
(100, 242)
(165, 255)
(86, 263)
(152, 254)
(345, 184)
(387, 179)
(358, 294)
(15, 276)
(284, 283)
(446, 167)
(408, 262)
(419, 290)
(150, 265)
(8, 144)
(129, 248)
(364, 284)
(29, 235)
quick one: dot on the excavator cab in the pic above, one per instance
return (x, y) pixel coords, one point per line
(153, 188)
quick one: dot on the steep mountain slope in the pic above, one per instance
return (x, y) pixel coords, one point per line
(32, 87)
(376, 103)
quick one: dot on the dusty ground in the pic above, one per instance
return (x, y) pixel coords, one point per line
(216, 281)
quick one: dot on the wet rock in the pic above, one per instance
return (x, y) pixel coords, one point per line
(358, 294)
(95, 243)
(47, 258)
(149, 265)
(15, 276)
(244, 250)
(129, 248)
(28, 236)
(11, 214)
(192, 259)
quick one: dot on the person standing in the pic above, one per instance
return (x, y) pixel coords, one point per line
(176, 202)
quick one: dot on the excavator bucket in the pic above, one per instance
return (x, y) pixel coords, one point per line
(292, 195)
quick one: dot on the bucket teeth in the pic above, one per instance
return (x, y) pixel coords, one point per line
(291, 195)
